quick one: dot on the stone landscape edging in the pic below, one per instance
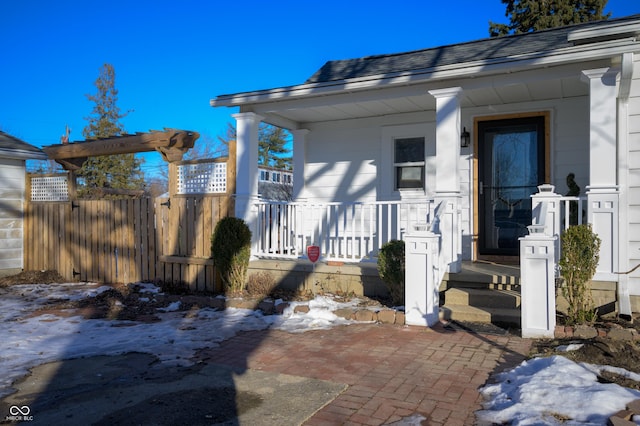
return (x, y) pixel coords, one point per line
(392, 316)
(613, 331)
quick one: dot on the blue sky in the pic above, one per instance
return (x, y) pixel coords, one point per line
(172, 57)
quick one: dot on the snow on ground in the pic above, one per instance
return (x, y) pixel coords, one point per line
(28, 341)
(540, 391)
(551, 390)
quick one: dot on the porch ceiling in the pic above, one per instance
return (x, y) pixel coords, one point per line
(417, 99)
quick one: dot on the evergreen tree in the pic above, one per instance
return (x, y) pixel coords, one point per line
(272, 150)
(533, 15)
(272, 140)
(122, 171)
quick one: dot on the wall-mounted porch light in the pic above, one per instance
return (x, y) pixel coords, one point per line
(465, 138)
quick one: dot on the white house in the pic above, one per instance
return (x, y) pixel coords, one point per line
(274, 183)
(380, 142)
(13, 154)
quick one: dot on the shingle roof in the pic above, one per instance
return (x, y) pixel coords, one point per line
(10, 144)
(485, 49)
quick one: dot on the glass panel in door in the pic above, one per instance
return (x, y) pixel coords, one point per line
(511, 166)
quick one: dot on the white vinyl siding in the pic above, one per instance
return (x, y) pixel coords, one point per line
(342, 163)
(12, 176)
(633, 182)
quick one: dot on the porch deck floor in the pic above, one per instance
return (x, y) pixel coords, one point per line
(491, 268)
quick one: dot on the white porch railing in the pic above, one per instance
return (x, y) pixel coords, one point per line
(554, 213)
(557, 212)
(348, 232)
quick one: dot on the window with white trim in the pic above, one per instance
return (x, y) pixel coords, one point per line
(409, 163)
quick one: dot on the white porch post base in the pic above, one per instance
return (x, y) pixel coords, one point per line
(448, 216)
(538, 290)
(421, 290)
(603, 211)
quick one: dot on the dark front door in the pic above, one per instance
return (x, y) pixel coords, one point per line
(511, 164)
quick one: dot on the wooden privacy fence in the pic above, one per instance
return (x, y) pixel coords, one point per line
(127, 240)
(130, 240)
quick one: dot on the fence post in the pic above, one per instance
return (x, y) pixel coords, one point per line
(538, 290)
(421, 289)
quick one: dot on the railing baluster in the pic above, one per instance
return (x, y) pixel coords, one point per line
(580, 219)
(362, 252)
(353, 231)
(299, 229)
(327, 221)
(341, 220)
(379, 223)
(398, 209)
(372, 242)
(312, 231)
(280, 229)
(257, 229)
(389, 223)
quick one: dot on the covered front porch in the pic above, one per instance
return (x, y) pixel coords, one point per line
(462, 200)
(350, 206)
(459, 148)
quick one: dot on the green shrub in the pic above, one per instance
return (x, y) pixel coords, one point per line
(231, 250)
(578, 263)
(391, 269)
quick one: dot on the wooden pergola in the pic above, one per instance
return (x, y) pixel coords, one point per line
(170, 143)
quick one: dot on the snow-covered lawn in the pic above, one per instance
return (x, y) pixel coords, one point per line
(541, 391)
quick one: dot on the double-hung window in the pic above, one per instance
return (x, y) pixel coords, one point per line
(409, 163)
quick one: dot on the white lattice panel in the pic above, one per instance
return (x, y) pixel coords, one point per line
(49, 188)
(202, 178)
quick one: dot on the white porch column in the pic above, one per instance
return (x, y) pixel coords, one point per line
(299, 161)
(447, 189)
(602, 191)
(447, 139)
(247, 125)
(603, 126)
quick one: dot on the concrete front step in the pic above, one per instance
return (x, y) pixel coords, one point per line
(480, 285)
(482, 292)
(478, 297)
(483, 315)
(482, 275)
(482, 305)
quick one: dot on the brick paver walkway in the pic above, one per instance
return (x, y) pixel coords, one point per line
(392, 372)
